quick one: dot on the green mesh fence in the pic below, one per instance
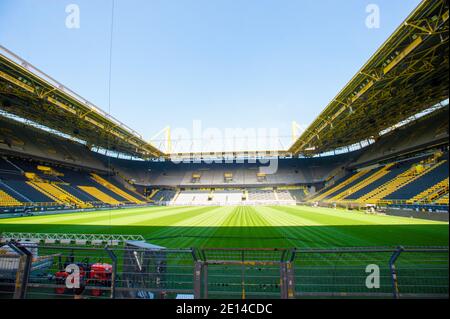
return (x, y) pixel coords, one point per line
(152, 272)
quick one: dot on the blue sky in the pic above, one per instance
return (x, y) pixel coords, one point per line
(229, 63)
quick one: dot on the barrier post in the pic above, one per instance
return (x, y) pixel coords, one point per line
(114, 271)
(23, 271)
(394, 277)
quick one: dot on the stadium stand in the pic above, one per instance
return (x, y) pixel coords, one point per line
(349, 183)
(162, 195)
(21, 139)
(373, 176)
(261, 195)
(186, 197)
(116, 189)
(8, 200)
(233, 196)
(392, 170)
(85, 197)
(411, 175)
(283, 195)
(228, 196)
(443, 200)
(99, 195)
(298, 194)
(412, 178)
(18, 184)
(64, 196)
(334, 187)
(432, 193)
(67, 178)
(422, 179)
(32, 183)
(428, 132)
(294, 171)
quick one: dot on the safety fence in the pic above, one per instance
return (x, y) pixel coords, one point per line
(141, 270)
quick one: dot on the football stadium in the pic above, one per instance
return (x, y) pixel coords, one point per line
(356, 206)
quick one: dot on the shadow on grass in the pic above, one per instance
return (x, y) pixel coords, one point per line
(293, 236)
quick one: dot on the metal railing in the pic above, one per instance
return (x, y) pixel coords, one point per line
(141, 270)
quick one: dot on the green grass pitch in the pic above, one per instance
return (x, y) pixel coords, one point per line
(278, 226)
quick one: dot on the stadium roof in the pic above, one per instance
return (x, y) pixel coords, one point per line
(408, 74)
(27, 92)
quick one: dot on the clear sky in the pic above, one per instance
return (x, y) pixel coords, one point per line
(228, 63)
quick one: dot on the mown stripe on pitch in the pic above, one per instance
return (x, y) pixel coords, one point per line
(163, 219)
(356, 218)
(79, 216)
(303, 232)
(117, 217)
(198, 236)
(138, 218)
(315, 234)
